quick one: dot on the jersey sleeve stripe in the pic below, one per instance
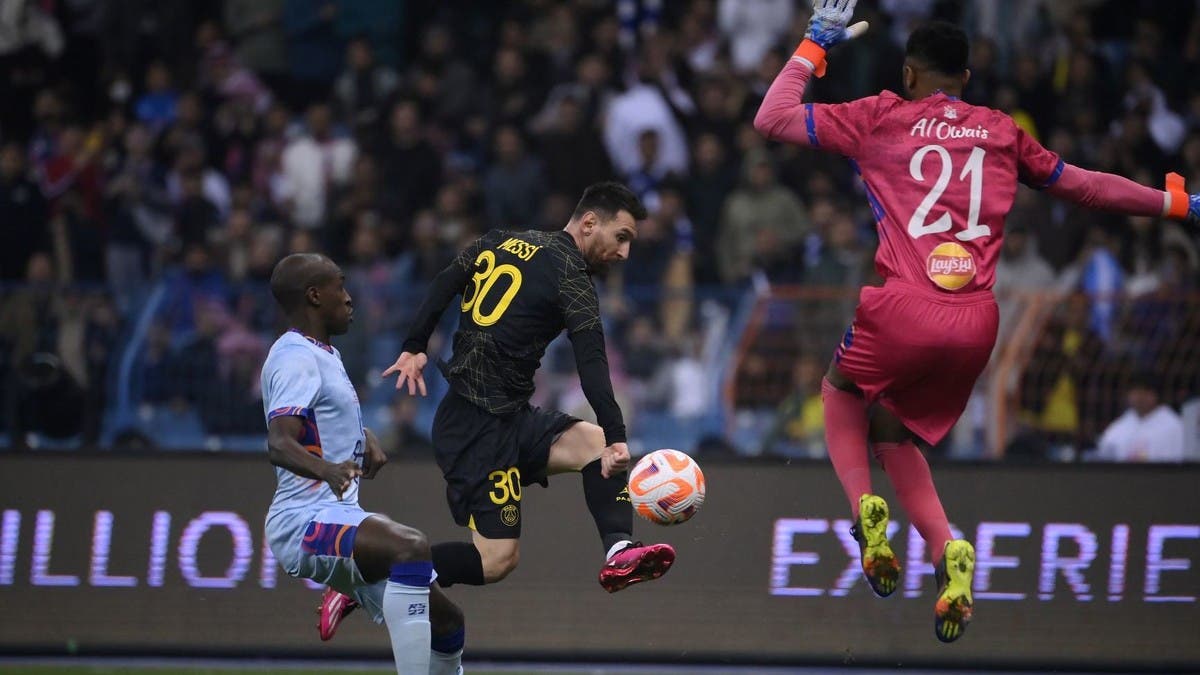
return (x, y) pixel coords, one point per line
(811, 125)
(289, 411)
(1054, 175)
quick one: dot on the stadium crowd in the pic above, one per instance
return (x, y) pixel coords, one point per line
(166, 153)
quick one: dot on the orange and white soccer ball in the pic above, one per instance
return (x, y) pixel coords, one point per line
(666, 487)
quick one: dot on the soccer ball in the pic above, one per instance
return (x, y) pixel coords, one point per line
(666, 487)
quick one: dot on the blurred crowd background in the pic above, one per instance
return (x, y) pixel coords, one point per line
(157, 157)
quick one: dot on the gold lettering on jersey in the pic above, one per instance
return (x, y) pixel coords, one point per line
(932, 127)
(522, 249)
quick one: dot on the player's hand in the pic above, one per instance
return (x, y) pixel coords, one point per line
(374, 458)
(341, 476)
(614, 459)
(830, 23)
(409, 365)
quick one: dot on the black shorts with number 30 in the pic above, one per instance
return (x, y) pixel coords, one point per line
(487, 459)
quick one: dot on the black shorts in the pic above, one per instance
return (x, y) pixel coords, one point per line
(486, 460)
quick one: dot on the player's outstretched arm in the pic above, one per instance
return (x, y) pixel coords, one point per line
(591, 360)
(285, 451)
(446, 285)
(1110, 192)
(782, 116)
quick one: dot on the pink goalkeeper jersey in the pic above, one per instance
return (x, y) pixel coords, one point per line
(941, 176)
(940, 173)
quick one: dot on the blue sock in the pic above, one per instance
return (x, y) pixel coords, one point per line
(448, 644)
(418, 574)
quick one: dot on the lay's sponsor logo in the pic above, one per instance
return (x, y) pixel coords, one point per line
(950, 266)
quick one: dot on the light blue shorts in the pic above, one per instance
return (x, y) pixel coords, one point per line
(317, 543)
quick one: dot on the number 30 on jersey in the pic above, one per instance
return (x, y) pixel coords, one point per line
(972, 170)
(482, 283)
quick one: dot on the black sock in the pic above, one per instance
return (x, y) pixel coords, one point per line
(457, 562)
(608, 500)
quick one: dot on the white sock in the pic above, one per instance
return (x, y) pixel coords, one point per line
(406, 613)
(445, 664)
(617, 548)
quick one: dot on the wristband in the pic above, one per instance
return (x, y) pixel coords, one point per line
(1179, 197)
(812, 53)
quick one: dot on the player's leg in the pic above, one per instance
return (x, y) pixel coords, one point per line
(945, 350)
(859, 359)
(483, 491)
(387, 550)
(578, 448)
(845, 412)
(447, 629)
(896, 449)
(493, 512)
(498, 556)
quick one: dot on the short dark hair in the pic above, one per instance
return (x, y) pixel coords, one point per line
(295, 274)
(607, 199)
(940, 45)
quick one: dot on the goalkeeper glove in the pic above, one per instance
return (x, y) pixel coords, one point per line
(828, 27)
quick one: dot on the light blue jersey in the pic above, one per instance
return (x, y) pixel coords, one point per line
(305, 378)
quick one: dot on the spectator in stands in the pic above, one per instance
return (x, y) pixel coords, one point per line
(647, 175)
(314, 164)
(314, 49)
(643, 349)
(71, 167)
(678, 282)
(761, 224)
(838, 259)
(513, 97)
(364, 86)
(650, 102)
(717, 109)
(441, 78)
(1062, 384)
(190, 163)
(1147, 432)
(686, 384)
(196, 217)
(404, 437)
(752, 27)
(38, 389)
(428, 254)
(22, 214)
(98, 351)
(408, 164)
(138, 211)
(1190, 416)
(1019, 270)
(799, 427)
(514, 186)
(1101, 277)
(197, 280)
(573, 150)
(156, 107)
(359, 198)
(256, 29)
(712, 179)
